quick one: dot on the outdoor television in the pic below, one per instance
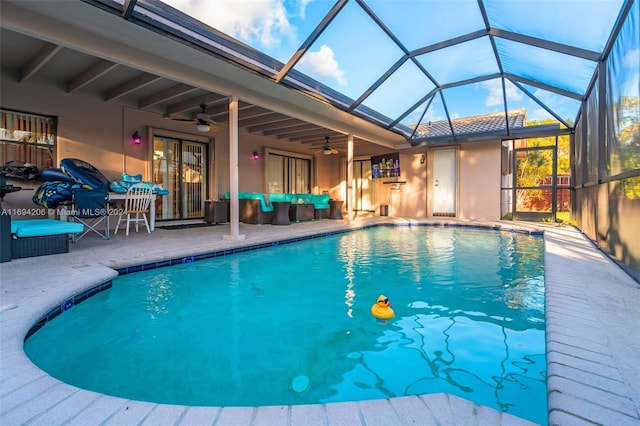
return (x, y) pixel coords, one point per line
(385, 166)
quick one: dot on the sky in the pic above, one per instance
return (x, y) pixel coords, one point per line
(354, 52)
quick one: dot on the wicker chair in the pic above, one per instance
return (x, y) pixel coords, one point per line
(251, 211)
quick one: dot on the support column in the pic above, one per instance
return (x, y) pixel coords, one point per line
(234, 222)
(350, 188)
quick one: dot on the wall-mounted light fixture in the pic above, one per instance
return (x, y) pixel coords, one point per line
(136, 139)
(423, 158)
(255, 155)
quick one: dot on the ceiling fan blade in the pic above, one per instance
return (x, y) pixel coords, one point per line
(184, 120)
(201, 118)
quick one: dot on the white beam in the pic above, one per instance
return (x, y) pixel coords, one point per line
(131, 86)
(92, 73)
(44, 55)
(350, 188)
(234, 222)
(165, 95)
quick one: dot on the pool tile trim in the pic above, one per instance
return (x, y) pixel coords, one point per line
(66, 305)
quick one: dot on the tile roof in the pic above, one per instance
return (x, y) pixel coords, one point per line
(486, 123)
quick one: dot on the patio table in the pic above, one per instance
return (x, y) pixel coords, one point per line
(300, 212)
(335, 209)
(281, 213)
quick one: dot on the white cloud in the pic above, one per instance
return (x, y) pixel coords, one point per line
(322, 63)
(537, 114)
(302, 6)
(630, 79)
(550, 99)
(494, 97)
(564, 107)
(632, 59)
(432, 116)
(264, 21)
(630, 86)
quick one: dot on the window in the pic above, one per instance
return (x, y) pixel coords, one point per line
(27, 138)
(288, 173)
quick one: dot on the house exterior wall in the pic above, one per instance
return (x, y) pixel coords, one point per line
(479, 180)
(410, 198)
(100, 132)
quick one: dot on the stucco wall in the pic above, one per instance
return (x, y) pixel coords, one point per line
(410, 198)
(82, 122)
(479, 180)
(100, 132)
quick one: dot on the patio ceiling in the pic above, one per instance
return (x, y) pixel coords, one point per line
(39, 44)
(407, 67)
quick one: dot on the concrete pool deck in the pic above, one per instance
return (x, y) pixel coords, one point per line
(593, 339)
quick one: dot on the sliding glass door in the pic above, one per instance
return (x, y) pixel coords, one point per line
(288, 174)
(181, 166)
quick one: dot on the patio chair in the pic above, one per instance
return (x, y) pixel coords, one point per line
(136, 204)
(90, 207)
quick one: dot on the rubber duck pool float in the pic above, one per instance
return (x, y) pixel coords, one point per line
(382, 308)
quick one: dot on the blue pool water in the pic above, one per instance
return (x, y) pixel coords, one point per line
(291, 324)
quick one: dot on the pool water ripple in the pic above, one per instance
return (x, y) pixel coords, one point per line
(240, 330)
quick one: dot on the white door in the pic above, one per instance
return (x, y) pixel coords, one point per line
(444, 182)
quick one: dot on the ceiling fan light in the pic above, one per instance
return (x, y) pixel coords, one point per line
(326, 150)
(203, 127)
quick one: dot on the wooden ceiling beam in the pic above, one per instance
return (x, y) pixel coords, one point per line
(44, 55)
(130, 86)
(193, 104)
(166, 95)
(282, 133)
(92, 73)
(279, 124)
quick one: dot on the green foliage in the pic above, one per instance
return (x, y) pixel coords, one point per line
(624, 149)
(535, 167)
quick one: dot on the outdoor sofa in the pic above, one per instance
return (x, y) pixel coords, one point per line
(256, 207)
(320, 202)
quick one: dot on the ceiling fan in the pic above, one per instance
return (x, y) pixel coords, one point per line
(202, 120)
(327, 149)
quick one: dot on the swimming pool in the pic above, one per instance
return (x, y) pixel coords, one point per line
(469, 321)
